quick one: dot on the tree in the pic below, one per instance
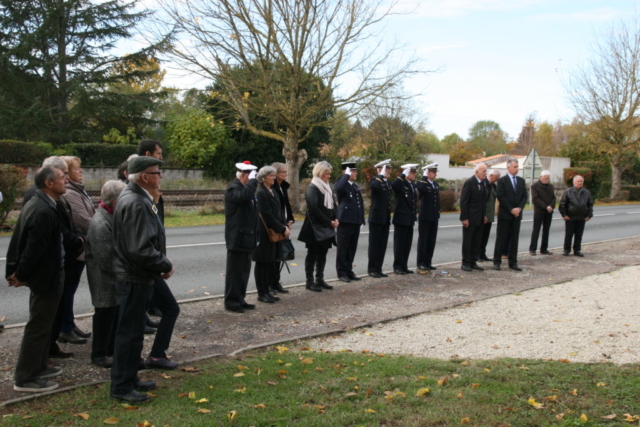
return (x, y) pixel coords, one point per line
(462, 152)
(605, 94)
(488, 137)
(526, 137)
(298, 54)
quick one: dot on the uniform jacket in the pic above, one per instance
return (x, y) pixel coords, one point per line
(139, 241)
(35, 249)
(509, 198)
(350, 202)
(429, 195)
(317, 214)
(542, 195)
(406, 210)
(492, 195)
(241, 216)
(576, 204)
(98, 256)
(269, 209)
(473, 201)
(380, 211)
(283, 194)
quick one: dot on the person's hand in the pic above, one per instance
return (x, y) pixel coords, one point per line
(13, 281)
(383, 172)
(486, 220)
(516, 212)
(407, 171)
(566, 218)
(587, 218)
(167, 276)
(335, 223)
(290, 224)
(287, 232)
(549, 209)
(347, 171)
(465, 223)
(253, 174)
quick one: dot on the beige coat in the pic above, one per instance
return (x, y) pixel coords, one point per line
(82, 209)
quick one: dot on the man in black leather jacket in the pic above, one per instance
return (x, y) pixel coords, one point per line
(576, 208)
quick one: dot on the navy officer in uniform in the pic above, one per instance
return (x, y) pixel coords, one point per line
(429, 194)
(404, 217)
(379, 218)
(351, 217)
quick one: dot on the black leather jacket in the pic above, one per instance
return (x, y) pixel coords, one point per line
(576, 204)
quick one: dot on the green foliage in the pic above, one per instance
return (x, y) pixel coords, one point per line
(12, 184)
(634, 191)
(570, 173)
(24, 153)
(100, 154)
(604, 191)
(115, 137)
(601, 173)
(487, 137)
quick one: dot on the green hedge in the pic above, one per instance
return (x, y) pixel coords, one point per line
(12, 183)
(604, 191)
(100, 154)
(570, 173)
(24, 153)
(634, 191)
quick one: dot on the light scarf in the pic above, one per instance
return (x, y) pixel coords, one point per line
(325, 189)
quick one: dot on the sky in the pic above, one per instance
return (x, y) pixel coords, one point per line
(499, 60)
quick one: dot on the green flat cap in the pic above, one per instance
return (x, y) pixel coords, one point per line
(141, 163)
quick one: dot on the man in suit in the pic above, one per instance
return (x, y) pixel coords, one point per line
(490, 212)
(240, 228)
(379, 218)
(404, 217)
(429, 194)
(472, 215)
(351, 217)
(512, 195)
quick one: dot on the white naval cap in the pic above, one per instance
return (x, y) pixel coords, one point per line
(410, 166)
(432, 166)
(246, 166)
(383, 163)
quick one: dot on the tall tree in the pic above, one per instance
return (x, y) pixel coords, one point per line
(605, 93)
(488, 137)
(526, 137)
(299, 54)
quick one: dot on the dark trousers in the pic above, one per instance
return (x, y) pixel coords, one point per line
(486, 231)
(573, 230)
(378, 239)
(540, 219)
(471, 240)
(427, 233)
(164, 300)
(236, 278)
(32, 358)
(348, 236)
(72, 273)
(264, 273)
(105, 321)
(507, 229)
(277, 267)
(316, 257)
(402, 240)
(132, 319)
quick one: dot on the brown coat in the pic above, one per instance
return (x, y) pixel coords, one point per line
(82, 209)
(542, 195)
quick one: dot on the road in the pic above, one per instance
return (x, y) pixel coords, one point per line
(199, 255)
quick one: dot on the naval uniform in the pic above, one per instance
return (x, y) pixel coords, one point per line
(429, 193)
(351, 218)
(379, 222)
(404, 218)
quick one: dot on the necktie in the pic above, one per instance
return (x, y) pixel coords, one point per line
(515, 185)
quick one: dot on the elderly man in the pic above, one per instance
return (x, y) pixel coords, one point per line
(139, 258)
(404, 217)
(576, 208)
(543, 196)
(472, 215)
(240, 228)
(429, 194)
(490, 212)
(351, 218)
(35, 258)
(512, 195)
(379, 218)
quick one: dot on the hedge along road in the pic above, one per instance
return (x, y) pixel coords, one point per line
(199, 255)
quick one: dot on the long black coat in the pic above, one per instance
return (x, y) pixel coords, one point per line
(283, 194)
(350, 203)
(273, 217)
(380, 211)
(406, 207)
(473, 201)
(509, 198)
(429, 196)
(241, 216)
(317, 214)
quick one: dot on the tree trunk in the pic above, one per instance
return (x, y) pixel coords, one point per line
(616, 180)
(295, 159)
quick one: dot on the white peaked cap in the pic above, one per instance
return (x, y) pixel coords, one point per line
(409, 165)
(245, 166)
(431, 166)
(382, 163)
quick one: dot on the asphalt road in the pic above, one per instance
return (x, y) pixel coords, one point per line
(199, 255)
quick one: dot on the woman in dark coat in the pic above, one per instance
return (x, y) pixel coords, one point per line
(267, 254)
(281, 187)
(319, 227)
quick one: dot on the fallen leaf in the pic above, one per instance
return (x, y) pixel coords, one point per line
(282, 350)
(601, 385)
(203, 400)
(192, 395)
(584, 418)
(293, 264)
(369, 411)
(260, 406)
(631, 418)
(239, 374)
(129, 407)
(241, 390)
(351, 394)
(524, 368)
(535, 404)
(26, 417)
(82, 415)
(165, 376)
(559, 416)
(307, 361)
(460, 395)
(423, 392)
(443, 381)
(112, 420)
(181, 395)
(465, 363)
(574, 392)
(553, 398)
(475, 385)
(272, 383)
(487, 370)
(231, 415)
(465, 420)
(190, 369)
(145, 423)
(609, 417)
(204, 411)
(458, 321)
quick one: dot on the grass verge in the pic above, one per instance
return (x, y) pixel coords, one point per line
(277, 387)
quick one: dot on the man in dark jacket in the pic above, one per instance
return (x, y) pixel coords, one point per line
(576, 208)
(543, 197)
(139, 258)
(404, 217)
(351, 217)
(379, 218)
(240, 228)
(35, 258)
(429, 194)
(472, 215)
(512, 195)
(490, 212)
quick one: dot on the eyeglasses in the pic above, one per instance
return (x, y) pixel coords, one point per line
(154, 173)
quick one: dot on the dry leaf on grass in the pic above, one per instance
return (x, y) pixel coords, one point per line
(112, 420)
(82, 415)
(535, 404)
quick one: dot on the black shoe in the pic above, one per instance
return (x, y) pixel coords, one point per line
(580, 254)
(466, 268)
(408, 271)
(354, 277)
(235, 309)
(1, 327)
(323, 284)
(266, 298)
(546, 253)
(400, 272)
(515, 267)
(132, 397)
(496, 267)
(423, 267)
(149, 331)
(431, 267)
(374, 274)
(145, 385)
(383, 275)
(82, 334)
(313, 287)
(152, 323)
(273, 297)
(477, 267)
(566, 253)
(248, 306)
(532, 253)
(485, 258)
(103, 362)
(56, 353)
(155, 311)
(278, 288)
(71, 338)
(160, 363)
(344, 279)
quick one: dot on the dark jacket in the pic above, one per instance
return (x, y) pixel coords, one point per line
(406, 211)
(35, 249)
(269, 209)
(429, 196)
(492, 195)
(98, 256)
(283, 194)
(509, 198)
(241, 216)
(576, 204)
(350, 202)
(542, 195)
(380, 211)
(317, 214)
(473, 201)
(139, 242)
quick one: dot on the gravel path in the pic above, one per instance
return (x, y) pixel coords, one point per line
(593, 319)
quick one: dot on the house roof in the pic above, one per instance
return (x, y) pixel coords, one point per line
(497, 156)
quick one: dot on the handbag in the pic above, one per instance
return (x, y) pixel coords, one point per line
(321, 233)
(288, 252)
(274, 237)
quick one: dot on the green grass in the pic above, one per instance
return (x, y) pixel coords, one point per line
(306, 388)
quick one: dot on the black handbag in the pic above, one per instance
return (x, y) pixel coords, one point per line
(323, 233)
(288, 252)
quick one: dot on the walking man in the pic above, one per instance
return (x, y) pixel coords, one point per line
(351, 217)
(379, 218)
(429, 194)
(543, 196)
(472, 215)
(576, 208)
(404, 217)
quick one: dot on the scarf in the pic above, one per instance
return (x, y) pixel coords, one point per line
(107, 208)
(325, 189)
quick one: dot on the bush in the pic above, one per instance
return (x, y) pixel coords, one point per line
(570, 173)
(100, 154)
(24, 153)
(12, 184)
(634, 191)
(604, 191)
(624, 195)
(448, 201)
